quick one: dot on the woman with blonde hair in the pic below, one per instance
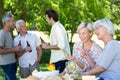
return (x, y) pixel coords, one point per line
(86, 51)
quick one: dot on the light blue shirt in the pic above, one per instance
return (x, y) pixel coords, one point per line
(110, 60)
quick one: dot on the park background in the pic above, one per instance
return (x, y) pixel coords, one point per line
(71, 14)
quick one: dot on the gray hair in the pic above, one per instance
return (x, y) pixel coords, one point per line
(18, 22)
(85, 25)
(6, 17)
(106, 23)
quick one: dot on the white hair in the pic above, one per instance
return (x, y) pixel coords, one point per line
(18, 22)
(6, 17)
(85, 25)
(106, 23)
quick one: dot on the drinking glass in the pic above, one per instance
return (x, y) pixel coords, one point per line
(71, 67)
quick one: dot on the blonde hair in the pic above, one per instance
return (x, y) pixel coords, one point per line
(85, 25)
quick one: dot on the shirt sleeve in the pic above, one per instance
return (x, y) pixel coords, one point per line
(2, 39)
(107, 56)
(38, 41)
(74, 50)
(60, 34)
(96, 50)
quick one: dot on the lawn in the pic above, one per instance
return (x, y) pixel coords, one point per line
(43, 67)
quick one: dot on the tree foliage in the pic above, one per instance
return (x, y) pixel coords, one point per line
(1, 12)
(71, 12)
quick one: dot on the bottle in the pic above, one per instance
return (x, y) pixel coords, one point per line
(42, 41)
(28, 45)
(19, 44)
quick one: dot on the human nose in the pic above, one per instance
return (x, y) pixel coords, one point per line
(80, 36)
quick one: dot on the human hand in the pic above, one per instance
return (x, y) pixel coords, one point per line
(68, 57)
(17, 49)
(45, 46)
(27, 49)
(84, 53)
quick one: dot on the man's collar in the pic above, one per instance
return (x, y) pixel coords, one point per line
(22, 35)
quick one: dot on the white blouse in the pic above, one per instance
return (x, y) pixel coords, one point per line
(93, 52)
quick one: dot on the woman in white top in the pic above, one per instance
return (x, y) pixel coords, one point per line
(86, 51)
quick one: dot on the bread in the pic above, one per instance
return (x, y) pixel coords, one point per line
(31, 78)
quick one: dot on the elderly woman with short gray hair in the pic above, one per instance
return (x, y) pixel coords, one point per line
(108, 64)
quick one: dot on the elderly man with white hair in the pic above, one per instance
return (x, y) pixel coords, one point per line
(108, 64)
(31, 52)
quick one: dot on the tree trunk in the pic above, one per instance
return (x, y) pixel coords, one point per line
(1, 12)
(22, 7)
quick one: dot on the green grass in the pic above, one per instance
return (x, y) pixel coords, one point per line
(43, 67)
(1, 74)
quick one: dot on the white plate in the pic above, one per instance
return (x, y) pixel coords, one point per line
(44, 74)
(88, 77)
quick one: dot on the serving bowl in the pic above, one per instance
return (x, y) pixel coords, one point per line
(44, 74)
